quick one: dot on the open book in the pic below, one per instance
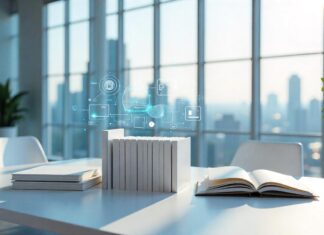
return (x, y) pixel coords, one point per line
(232, 180)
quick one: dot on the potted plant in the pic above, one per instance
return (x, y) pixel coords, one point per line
(10, 110)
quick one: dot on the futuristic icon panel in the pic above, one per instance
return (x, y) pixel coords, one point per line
(109, 85)
(156, 111)
(98, 111)
(139, 121)
(134, 104)
(193, 113)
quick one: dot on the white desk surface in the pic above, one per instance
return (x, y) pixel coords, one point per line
(103, 212)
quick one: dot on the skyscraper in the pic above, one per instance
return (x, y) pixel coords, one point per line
(296, 115)
(314, 116)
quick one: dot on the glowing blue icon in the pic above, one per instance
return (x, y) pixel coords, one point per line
(139, 121)
(109, 85)
(193, 113)
(98, 111)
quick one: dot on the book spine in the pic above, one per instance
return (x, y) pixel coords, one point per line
(149, 166)
(156, 147)
(174, 165)
(115, 157)
(133, 165)
(167, 166)
(122, 165)
(104, 153)
(145, 166)
(140, 165)
(128, 164)
(161, 165)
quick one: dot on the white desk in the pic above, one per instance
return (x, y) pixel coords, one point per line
(103, 212)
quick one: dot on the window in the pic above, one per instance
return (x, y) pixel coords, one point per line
(291, 68)
(201, 54)
(66, 35)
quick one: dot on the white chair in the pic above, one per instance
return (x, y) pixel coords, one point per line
(21, 150)
(286, 158)
(17, 151)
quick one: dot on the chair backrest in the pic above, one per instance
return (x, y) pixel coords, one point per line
(286, 158)
(21, 150)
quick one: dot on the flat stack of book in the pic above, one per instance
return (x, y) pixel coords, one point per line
(151, 164)
(56, 177)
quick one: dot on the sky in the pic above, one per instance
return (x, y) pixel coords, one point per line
(287, 27)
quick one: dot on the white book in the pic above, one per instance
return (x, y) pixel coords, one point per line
(122, 165)
(140, 165)
(167, 166)
(133, 165)
(145, 165)
(107, 136)
(161, 164)
(128, 164)
(156, 163)
(53, 172)
(181, 161)
(149, 165)
(52, 185)
(115, 149)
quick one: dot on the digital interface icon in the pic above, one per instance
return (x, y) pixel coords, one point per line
(193, 113)
(151, 124)
(109, 85)
(161, 89)
(133, 104)
(139, 121)
(98, 111)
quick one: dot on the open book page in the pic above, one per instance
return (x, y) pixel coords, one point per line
(225, 180)
(273, 181)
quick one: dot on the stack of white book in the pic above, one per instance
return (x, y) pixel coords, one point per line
(151, 164)
(56, 177)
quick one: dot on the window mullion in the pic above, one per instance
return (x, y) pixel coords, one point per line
(255, 104)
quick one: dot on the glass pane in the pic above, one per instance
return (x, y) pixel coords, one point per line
(139, 38)
(312, 152)
(55, 139)
(14, 24)
(79, 98)
(177, 88)
(228, 96)
(55, 94)
(79, 142)
(290, 26)
(112, 42)
(79, 9)
(79, 47)
(291, 94)
(179, 32)
(111, 6)
(219, 149)
(181, 83)
(228, 29)
(137, 3)
(14, 58)
(55, 51)
(55, 13)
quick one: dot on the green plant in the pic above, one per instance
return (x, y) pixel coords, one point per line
(10, 110)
